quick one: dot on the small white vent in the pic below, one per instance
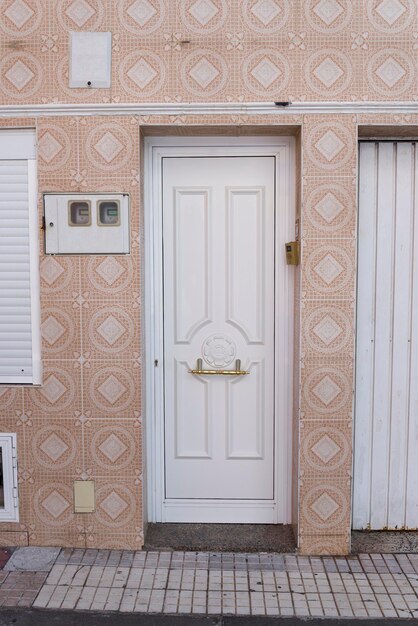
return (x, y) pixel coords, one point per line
(9, 499)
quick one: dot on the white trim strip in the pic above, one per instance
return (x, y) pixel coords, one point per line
(35, 288)
(207, 108)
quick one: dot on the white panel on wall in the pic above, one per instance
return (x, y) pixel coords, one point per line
(90, 59)
(86, 223)
(386, 417)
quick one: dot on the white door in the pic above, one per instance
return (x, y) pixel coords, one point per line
(219, 298)
(386, 416)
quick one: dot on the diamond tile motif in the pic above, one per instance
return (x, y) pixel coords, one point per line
(266, 72)
(327, 330)
(52, 329)
(112, 447)
(54, 447)
(328, 72)
(327, 390)
(53, 389)
(328, 269)
(141, 73)
(326, 449)
(204, 72)
(329, 145)
(141, 11)
(80, 12)
(19, 75)
(329, 207)
(111, 330)
(51, 270)
(325, 506)
(110, 270)
(390, 10)
(328, 11)
(265, 11)
(49, 147)
(203, 11)
(112, 389)
(390, 72)
(55, 504)
(113, 505)
(108, 146)
(19, 13)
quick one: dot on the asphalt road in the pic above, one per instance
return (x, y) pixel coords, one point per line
(34, 617)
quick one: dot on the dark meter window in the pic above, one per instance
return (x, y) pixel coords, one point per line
(109, 213)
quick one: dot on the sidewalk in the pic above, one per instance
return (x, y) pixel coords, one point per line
(206, 583)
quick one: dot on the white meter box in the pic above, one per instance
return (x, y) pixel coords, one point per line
(86, 223)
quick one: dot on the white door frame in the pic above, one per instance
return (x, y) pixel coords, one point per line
(156, 148)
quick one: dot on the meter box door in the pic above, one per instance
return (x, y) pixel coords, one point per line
(86, 223)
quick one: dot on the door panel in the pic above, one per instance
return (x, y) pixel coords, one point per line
(190, 257)
(218, 257)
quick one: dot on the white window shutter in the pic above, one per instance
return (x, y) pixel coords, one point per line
(19, 280)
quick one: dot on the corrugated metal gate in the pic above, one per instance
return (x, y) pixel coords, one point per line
(386, 404)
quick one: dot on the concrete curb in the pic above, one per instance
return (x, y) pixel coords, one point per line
(39, 617)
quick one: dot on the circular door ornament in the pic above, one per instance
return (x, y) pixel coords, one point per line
(218, 350)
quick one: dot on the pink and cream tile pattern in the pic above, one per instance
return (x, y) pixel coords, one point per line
(85, 421)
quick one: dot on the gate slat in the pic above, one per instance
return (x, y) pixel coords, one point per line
(399, 414)
(383, 335)
(365, 333)
(412, 477)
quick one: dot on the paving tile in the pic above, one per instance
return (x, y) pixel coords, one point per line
(379, 586)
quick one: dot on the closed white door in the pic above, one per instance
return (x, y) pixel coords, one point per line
(219, 273)
(386, 415)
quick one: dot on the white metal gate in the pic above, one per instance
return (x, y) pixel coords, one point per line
(386, 413)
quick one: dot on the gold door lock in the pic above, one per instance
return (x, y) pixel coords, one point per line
(292, 252)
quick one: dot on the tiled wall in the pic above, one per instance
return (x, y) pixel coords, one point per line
(85, 422)
(215, 50)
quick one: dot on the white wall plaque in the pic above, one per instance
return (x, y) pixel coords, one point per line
(90, 59)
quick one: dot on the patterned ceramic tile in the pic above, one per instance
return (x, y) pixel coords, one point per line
(330, 146)
(60, 330)
(327, 389)
(114, 449)
(324, 506)
(325, 545)
(60, 393)
(329, 207)
(328, 329)
(54, 448)
(328, 269)
(326, 448)
(21, 18)
(112, 390)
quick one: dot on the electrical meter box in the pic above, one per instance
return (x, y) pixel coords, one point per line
(86, 223)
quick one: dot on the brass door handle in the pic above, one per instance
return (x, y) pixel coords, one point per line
(236, 372)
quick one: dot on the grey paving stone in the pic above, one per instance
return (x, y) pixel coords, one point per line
(32, 559)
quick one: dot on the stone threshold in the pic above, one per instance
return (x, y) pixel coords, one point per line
(221, 537)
